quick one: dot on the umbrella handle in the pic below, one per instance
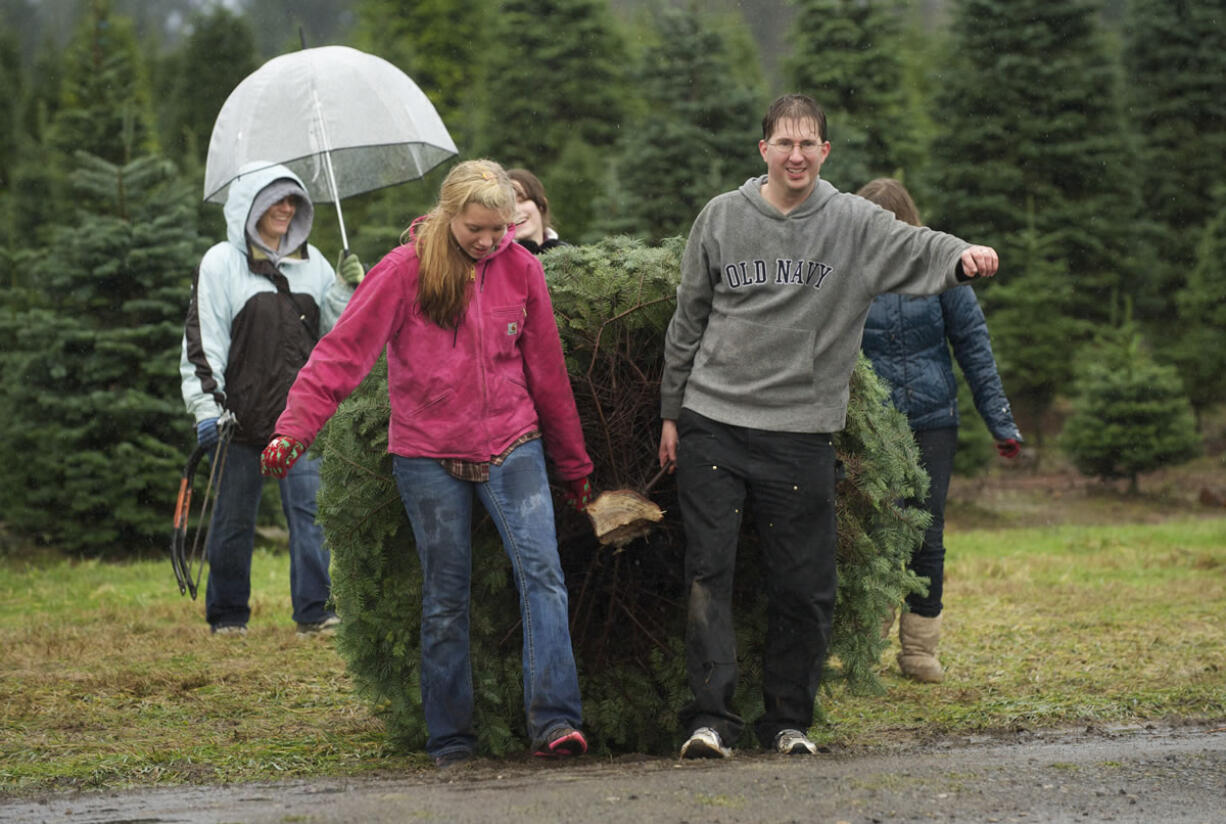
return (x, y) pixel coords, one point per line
(323, 132)
(336, 200)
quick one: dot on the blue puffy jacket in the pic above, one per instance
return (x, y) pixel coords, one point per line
(908, 340)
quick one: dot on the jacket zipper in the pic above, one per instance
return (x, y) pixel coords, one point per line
(478, 292)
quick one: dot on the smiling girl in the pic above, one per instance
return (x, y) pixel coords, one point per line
(533, 223)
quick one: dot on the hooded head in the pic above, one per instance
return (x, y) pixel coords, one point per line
(257, 188)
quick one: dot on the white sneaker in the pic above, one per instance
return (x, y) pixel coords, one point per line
(327, 625)
(705, 743)
(794, 742)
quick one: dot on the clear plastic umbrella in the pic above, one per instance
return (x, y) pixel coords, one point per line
(344, 121)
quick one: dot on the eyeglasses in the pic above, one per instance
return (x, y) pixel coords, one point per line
(808, 148)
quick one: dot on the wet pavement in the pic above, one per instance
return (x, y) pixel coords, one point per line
(1129, 775)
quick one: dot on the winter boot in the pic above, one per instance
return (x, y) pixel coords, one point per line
(919, 637)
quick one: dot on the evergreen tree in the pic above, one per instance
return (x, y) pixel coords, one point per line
(159, 22)
(612, 301)
(42, 98)
(699, 134)
(1032, 327)
(848, 54)
(38, 197)
(447, 62)
(285, 25)
(1201, 305)
(36, 189)
(216, 56)
(103, 89)
(557, 95)
(564, 77)
(443, 59)
(13, 83)
(18, 18)
(1130, 414)
(1175, 57)
(925, 43)
(94, 433)
(573, 181)
(1029, 112)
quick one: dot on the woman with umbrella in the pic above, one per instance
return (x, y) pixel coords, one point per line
(479, 394)
(260, 299)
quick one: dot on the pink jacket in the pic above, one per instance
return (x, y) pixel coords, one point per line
(464, 393)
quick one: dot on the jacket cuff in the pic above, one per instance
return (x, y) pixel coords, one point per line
(206, 411)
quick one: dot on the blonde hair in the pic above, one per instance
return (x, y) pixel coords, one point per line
(890, 194)
(444, 268)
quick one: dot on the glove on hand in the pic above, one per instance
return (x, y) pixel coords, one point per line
(579, 493)
(279, 456)
(206, 432)
(350, 269)
(1008, 448)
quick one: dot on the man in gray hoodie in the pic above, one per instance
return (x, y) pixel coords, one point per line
(776, 282)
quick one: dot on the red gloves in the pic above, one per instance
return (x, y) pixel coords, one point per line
(279, 456)
(1009, 448)
(579, 493)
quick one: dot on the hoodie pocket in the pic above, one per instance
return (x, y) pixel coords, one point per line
(770, 365)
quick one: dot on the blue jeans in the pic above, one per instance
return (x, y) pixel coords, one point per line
(789, 479)
(232, 539)
(440, 510)
(937, 448)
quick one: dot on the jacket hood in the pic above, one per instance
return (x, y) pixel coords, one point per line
(817, 199)
(244, 191)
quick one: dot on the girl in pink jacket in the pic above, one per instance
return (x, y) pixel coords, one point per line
(479, 394)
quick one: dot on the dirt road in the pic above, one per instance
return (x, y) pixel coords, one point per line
(1128, 776)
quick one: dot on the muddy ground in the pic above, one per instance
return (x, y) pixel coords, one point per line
(1134, 775)
(1153, 774)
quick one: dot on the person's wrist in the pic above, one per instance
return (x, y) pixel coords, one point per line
(206, 432)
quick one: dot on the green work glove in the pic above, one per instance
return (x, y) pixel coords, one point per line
(350, 269)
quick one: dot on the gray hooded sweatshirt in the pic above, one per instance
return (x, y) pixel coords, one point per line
(771, 307)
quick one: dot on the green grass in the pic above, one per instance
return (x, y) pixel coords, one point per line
(108, 677)
(111, 677)
(1065, 625)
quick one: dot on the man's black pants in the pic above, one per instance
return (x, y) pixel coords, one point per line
(789, 480)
